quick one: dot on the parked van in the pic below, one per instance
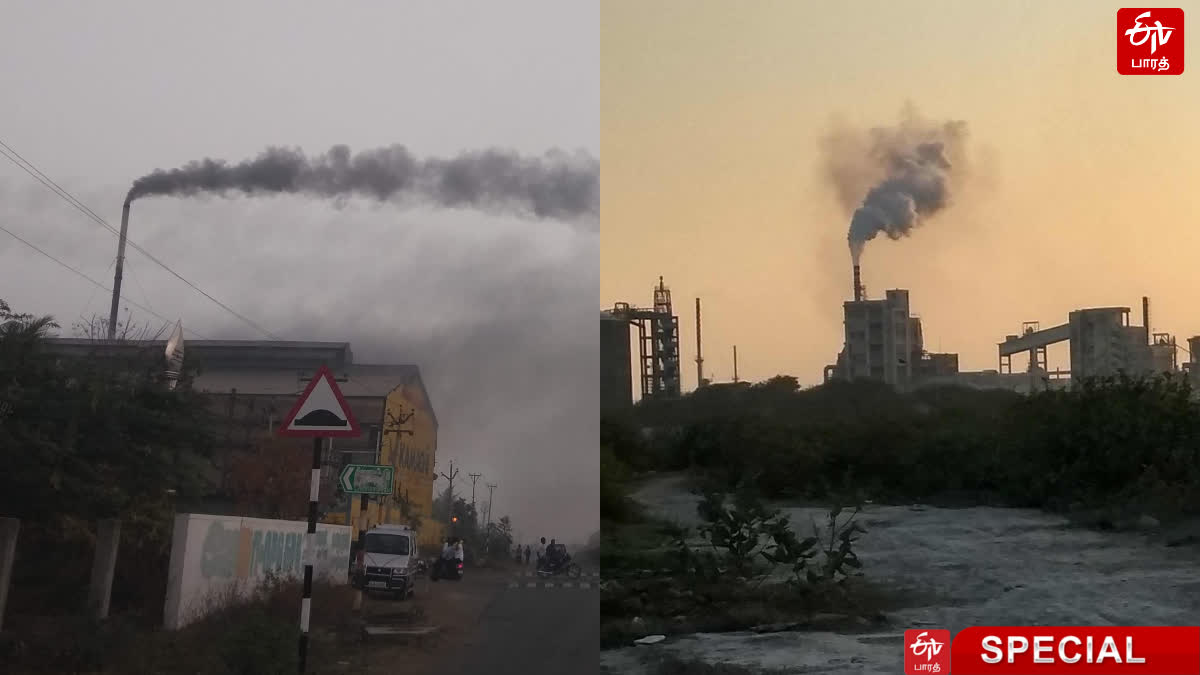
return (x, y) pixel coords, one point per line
(388, 561)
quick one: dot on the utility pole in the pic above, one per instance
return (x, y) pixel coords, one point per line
(491, 491)
(487, 541)
(450, 501)
(474, 477)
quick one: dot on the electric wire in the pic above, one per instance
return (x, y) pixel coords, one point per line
(31, 169)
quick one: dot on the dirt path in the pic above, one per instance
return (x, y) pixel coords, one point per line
(978, 566)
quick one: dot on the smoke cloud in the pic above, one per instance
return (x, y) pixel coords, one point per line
(907, 172)
(557, 185)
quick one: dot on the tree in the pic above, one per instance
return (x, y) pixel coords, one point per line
(271, 480)
(500, 537)
(95, 437)
(92, 437)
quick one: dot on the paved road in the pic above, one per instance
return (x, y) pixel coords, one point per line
(502, 623)
(536, 628)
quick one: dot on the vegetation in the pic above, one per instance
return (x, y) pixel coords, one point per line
(256, 636)
(89, 439)
(1108, 443)
(1114, 446)
(496, 538)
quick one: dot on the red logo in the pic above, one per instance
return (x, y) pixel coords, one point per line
(1150, 41)
(926, 651)
(1065, 650)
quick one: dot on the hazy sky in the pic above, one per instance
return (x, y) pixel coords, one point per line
(1082, 187)
(498, 312)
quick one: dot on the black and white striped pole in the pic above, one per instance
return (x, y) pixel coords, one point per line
(321, 412)
(310, 551)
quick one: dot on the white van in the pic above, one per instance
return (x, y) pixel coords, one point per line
(389, 561)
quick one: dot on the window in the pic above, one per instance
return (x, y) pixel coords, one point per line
(387, 544)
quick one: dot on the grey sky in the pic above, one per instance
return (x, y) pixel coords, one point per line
(497, 311)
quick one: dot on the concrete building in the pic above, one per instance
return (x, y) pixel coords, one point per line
(251, 385)
(1103, 343)
(881, 338)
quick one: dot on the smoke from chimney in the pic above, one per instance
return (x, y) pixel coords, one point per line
(557, 185)
(904, 170)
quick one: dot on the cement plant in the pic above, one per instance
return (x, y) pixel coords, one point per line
(883, 341)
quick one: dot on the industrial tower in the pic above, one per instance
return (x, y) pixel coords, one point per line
(658, 349)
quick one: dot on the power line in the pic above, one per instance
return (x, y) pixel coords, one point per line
(62, 193)
(99, 285)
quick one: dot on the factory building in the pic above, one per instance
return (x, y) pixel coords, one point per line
(616, 363)
(251, 385)
(658, 351)
(884, 342)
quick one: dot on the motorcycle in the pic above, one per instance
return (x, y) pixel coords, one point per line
(447, 568)
(558, 562)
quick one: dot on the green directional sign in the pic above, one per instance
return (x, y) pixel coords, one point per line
(367, 479)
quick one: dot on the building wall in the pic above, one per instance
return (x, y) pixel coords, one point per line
(1103, 344)
(216, 558)
(616, 366)
(880, 336)
(242, 419)
(414, 456)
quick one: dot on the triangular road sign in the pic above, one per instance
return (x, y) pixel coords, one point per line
(321, 411)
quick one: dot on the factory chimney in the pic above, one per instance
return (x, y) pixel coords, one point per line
(1146, 316)
(699, 355)
(116, 294)
(857, 284)
(735, 373)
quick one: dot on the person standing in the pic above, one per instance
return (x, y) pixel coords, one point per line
(527, 555)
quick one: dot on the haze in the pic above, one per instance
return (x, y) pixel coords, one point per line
(497, 311)
(1081, 194)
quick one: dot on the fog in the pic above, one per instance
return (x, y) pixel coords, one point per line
(498, 311)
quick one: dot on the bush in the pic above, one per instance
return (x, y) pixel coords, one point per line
(1108, 441)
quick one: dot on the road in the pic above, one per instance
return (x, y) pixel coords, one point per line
(503, 623)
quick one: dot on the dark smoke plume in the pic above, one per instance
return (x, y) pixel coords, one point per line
(556, 185)
(908, 167)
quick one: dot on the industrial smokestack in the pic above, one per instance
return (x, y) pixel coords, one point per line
(1146, 316)
(735, 373)
(857, 284)
(116, 294)
(699, 355)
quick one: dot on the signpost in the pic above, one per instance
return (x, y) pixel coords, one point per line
(320, 412)
(367, 479)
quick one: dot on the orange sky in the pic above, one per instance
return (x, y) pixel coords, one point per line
(1081, 191)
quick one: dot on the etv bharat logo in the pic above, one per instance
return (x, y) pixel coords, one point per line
(925, 651)
(1150, 41)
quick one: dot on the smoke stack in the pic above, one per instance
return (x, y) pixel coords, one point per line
(699, 356)
(116, 296)
(857, 284)
(735, 373)
(1146, 316)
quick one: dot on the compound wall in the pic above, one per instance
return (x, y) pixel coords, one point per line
(217, 558)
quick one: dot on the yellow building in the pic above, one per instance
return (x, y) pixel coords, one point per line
(409, 443)
(403, 435)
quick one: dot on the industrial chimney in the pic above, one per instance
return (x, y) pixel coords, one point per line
(116, 296)
(699, 354)
(1146, 316)
(857, 284)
